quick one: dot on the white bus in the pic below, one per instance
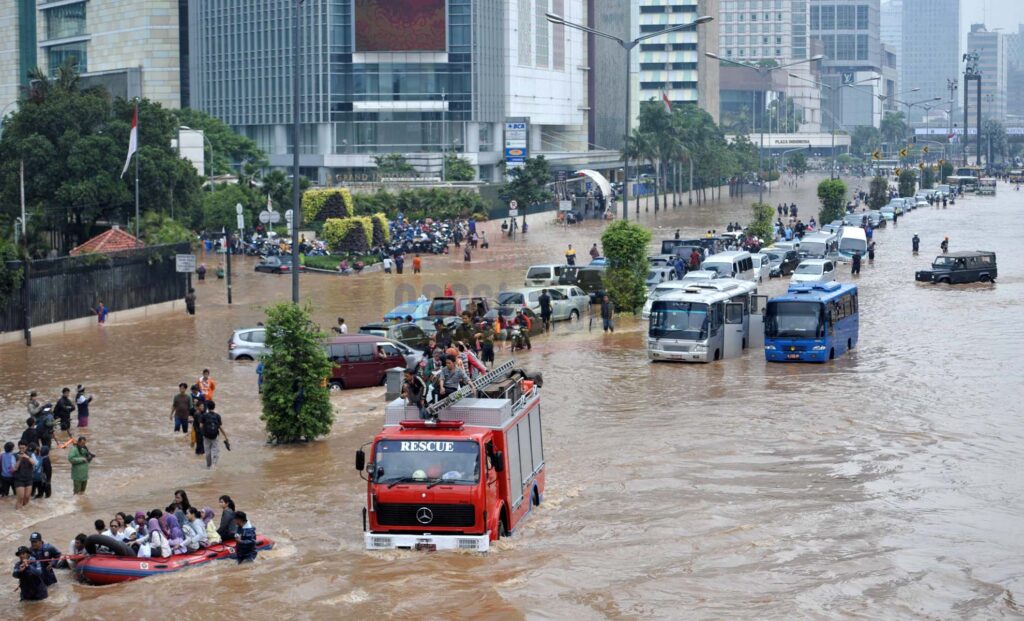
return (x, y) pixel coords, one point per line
(707, 321)
(852, 239)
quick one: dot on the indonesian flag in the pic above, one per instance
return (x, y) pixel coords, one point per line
(951, 138)
(133, 141)
(665, 100)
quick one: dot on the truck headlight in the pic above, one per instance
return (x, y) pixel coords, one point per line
(700, 349)
(818, 348)
(769, 348)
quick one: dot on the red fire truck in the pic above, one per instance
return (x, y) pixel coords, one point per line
(462, 478)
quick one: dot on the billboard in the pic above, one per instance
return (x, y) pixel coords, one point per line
(400, 25)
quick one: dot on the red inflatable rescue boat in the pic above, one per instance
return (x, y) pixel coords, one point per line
(112, 569)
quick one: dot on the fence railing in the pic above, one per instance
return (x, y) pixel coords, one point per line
(65, 288)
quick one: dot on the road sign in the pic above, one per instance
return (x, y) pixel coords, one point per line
(898, 171)
(921, 165)
(238, 208)
(925, 149)
(270, 217)
(513, 204)
(185, 263)
(265, 217)
(512, 213)
(241, 222)
(876, 155)
(288, 215)
(903, 152)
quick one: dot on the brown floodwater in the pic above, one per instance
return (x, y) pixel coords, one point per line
(884, 485)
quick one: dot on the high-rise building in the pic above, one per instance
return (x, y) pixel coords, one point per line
(849, 33)
(673, 64)
(131, 47)
(1015, 73)
(492, 80)
(930, 49)
(891, 32)
(989, 46)
(771, 31)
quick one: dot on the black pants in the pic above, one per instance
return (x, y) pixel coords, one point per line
(6, 486)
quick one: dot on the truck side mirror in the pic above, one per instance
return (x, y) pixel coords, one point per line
(498, 461)
(360, 460)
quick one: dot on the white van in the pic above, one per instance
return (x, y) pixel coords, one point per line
(733, 264)
(818, 245)
(852, 239)
(544, 275)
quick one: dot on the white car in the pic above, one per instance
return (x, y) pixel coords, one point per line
(814, 270)
(579, 300)
(920, 203)
(561, 307)
(762, 265)
(659, 274)
(700, 275)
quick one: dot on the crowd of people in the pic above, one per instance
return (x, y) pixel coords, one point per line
(180, 528)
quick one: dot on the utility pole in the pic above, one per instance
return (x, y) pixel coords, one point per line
(296, 192)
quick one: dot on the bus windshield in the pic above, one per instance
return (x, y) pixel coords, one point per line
(679, 320)
(849, 244)
(794, 320)
(813, 247)
(412, 461)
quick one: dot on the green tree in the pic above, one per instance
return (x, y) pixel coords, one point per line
(10, 276)
(393, 165)
(228, 147)
(864, 140)
(908, 180)
(832, 194)
(797, 163)
(928, 178)
(528, 183)
(893, 128)
(219, 206)
(878, 194)
(946, 170)
(296, 402)
(156, 229)
(995, 133)
(457, 168)
(762, 225)
(625, 247)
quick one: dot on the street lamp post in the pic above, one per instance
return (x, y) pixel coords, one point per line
(763, 72)
(296, 192)
(833, 97)
(628, 47)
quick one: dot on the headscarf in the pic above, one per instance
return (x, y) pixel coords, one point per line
(207, 515)
(154, 525)
(173, 528)
(164, 524)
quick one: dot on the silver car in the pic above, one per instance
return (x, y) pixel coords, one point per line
(578, 300)
(247, 344)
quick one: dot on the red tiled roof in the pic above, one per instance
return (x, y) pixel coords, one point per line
(110, 241)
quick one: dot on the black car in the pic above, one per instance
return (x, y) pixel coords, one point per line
(277, 265)
(783, 262)
(956, 268)
(589, 278)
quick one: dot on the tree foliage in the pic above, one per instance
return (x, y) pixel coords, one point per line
(296, 402)
(10, 277)
(864, 140)
(625, 247)
(762, 224)
(832, 194)
(419, 203)
(457, 168)
(908, 181)
(797, 163)
(928, 178)
(528, 183)
(878, 194)
(393, 165)
(381, 230)
(893, 128)
(156, 229)
(73, 143)
(994, 132)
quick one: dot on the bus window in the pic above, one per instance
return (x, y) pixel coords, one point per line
(733, 313)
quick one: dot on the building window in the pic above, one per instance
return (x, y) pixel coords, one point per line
(845, 47)
(862, 17)
(829, 41)
(558, 38)
(828, 18)
(778, 40)
(862, 47)
(542, 33)
(753, 17)
(728, 53)
(815, 18)
(844, 17)
(65, 21)
(525, 32)
(57, 54)
(778, 52)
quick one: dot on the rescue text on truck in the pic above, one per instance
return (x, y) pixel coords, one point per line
(462, 481)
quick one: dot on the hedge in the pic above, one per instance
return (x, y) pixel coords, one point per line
(419, 203)
(381, 230)
(351, 235)
(320, 204)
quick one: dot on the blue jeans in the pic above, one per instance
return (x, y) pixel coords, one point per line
(180, 425)
(608, 325)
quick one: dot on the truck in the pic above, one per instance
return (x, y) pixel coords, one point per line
(464, 476)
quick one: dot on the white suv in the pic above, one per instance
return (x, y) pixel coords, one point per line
(814, 270)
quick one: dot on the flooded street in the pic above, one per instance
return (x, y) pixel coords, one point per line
(886, 484)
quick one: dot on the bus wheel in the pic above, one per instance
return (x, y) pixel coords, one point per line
(717, 356)
(832, 354)
(536, 497)
(849, 344)
(502, 529)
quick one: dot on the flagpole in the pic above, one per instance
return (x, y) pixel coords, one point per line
(137, 143)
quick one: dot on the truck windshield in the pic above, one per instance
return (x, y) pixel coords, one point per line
(679, 320)
(794, 320)
(427, 461)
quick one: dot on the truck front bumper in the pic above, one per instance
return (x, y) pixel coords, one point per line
(395, 541)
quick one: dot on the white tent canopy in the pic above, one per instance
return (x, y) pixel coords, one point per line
(598, 178)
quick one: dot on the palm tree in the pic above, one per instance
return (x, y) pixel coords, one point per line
(640, 147)
(893, 127)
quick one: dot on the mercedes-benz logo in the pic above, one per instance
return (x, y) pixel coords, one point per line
(424, 515)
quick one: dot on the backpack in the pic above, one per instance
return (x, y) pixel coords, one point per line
(211, 427)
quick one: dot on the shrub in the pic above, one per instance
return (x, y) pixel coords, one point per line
(352, 235)
(381, 231)
(908, 179)
(625, 246)
(832, 193)
(762, 225)
(323, 203)
(878, 196)
(419, 203)
(296, 403)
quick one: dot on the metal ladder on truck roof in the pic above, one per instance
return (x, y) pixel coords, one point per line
(472, 387)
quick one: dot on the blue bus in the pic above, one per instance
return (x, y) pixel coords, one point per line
(811, 323)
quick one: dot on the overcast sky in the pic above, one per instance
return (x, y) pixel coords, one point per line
(1005, 14)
